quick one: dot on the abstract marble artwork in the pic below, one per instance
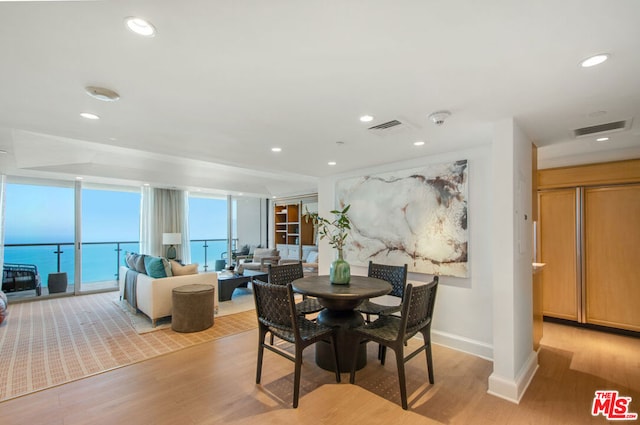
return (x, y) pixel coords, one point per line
(416, 216)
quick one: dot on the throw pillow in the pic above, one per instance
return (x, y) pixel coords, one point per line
(135, 262)
(167, 267)
(179, 270)
(139, 263)
(129, 260)
(260, 253)
(154, 266)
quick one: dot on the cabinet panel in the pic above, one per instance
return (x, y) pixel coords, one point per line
(612, 251)
(557, 215)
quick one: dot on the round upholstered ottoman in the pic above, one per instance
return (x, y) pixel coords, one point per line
(192, 309)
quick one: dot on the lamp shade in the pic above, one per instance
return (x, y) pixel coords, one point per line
(171, 238)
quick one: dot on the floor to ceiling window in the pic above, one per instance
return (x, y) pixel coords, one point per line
(208, 230)
(39, 233)
(110, 227)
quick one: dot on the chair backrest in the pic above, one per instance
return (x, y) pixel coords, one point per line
(417, 308)
(395, 275)
(274, 306)
(285, 273)
(260, 253)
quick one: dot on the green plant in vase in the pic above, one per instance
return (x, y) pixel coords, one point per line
(336, 231)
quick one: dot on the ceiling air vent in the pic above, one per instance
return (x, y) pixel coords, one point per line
(385, 125)
(601, 128)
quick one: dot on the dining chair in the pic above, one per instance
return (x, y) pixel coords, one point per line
(397, 277)
(277, 315)
(394, 332)
(287, 273)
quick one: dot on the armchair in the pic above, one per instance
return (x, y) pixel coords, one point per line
(260, 260)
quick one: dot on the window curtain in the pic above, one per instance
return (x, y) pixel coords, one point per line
(164, 211)
(3, 182)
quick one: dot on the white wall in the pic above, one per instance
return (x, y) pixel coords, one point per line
(463, 318)
(251, 221)
(515, 361)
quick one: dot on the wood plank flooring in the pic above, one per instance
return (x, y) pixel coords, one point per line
(214, 383)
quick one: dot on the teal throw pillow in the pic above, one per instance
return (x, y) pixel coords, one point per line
(155, 267)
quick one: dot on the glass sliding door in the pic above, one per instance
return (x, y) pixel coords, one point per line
(39, 238)
(110, 227)
(208, 231)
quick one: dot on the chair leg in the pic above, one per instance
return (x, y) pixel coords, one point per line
(429, 362)
(261, 339)
(401, 377)
(354, 362)
(383, 354)
(296, 377)
(336, 364)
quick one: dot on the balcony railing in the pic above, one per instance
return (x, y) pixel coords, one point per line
(100, 260)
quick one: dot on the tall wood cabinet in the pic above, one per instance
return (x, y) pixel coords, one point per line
(590, 242)
(611, 255)
(291, 230)
(558, 250)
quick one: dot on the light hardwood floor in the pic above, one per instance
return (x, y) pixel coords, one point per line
(214, 383)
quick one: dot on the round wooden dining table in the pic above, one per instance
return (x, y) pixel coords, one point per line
(339, 313)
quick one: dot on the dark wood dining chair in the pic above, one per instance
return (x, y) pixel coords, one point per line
(277, 315)
(287, 273)
(397, 277)
(394, 332)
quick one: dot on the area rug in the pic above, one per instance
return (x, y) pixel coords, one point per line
(241, 301)
(55, 341)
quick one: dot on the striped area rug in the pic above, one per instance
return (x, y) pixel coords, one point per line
(51, 342)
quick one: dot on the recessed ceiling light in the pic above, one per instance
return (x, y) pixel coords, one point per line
(602, 139)
(145, 184)
(140, 26)
(594, 60)
(100, 93)
(418, 143)
(366, 118)
(89, 116)
(79, 178)
(276, 149)
(332, 163)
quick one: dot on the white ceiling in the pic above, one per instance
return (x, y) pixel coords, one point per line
(203, 102)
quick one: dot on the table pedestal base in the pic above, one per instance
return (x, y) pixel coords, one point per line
(341, 321)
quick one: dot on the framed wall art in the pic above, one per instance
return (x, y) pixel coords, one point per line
(416, 216)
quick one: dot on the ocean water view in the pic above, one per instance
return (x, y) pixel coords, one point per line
(100, 261)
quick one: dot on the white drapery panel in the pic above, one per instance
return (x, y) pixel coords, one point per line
(164, 211)
(3, 182)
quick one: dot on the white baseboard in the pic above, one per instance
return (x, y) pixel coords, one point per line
(513, 389)
(466, 345)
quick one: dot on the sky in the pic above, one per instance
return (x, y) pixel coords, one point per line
(45, 214)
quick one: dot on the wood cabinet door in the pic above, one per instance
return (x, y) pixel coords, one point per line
(558, 231)
(612, 256)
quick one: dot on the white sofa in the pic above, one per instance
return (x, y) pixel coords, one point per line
(153, 296)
